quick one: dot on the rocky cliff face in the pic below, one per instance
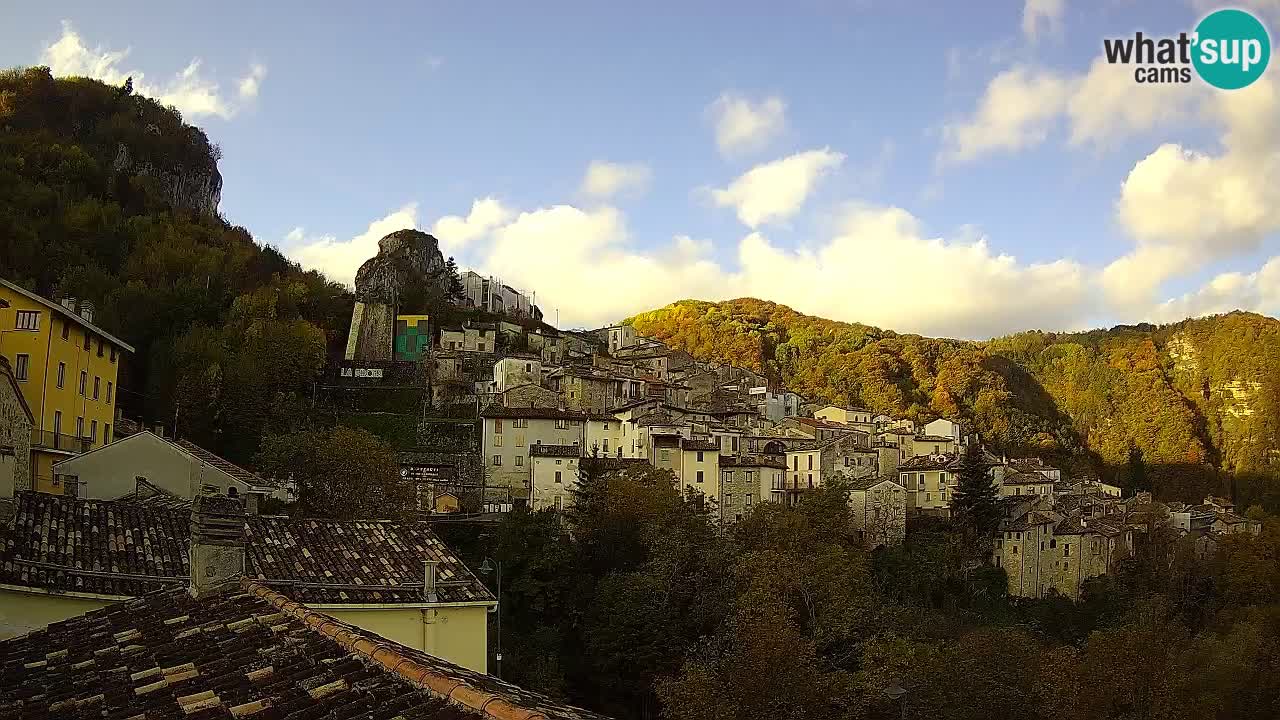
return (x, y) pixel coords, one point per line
(403, 257)
(197, 189)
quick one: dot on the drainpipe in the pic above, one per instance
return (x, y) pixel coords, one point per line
(429, 615)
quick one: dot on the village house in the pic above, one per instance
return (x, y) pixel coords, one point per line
(508, 434)
(810, 464)
(548, 344)
(553, 472)
(1024, 483)
(618, 337)
(177, 467)
(820, 430)
(929, 481)
(69, 555)
(943, 427)
(527, 396)
(517, 369)
(1044, 551)
(856, 417)
(589, 390)
(933, 445)
(472, 337)
(878, 510)
(746, 480)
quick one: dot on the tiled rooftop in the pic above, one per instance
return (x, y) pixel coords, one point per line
(555, 450)
(247, 652)
(222, 464)
(128, 549)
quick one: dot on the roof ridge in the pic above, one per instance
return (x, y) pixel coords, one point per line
(386, 655)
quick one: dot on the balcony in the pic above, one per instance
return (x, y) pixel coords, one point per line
(49, 440)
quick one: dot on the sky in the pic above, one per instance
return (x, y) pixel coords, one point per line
(951, 169)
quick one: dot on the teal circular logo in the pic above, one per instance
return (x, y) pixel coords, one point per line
(1231, 49)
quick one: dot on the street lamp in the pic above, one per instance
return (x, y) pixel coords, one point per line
(898, 694)
(485, 568)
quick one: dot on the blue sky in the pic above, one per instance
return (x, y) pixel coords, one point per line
(963, 170)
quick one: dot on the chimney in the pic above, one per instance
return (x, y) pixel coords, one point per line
(159, 429)
(86, 310)
(69, 303)
(217, 543)
(429, 581)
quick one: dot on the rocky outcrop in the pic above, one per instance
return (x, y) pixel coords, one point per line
(197, 189)
(404, 256)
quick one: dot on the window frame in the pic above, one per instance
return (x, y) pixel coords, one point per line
(21, 367)
(33, 316)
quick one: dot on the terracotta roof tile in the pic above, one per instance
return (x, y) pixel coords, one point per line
(246, 652)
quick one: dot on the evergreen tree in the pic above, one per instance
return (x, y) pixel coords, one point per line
(973, 502)
(455, 293)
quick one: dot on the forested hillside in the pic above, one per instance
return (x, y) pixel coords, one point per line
(1166, 406)
(107, 196)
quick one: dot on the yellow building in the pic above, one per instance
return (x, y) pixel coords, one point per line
(68, 369)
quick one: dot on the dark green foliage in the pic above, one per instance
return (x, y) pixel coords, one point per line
(973, 502)
(342, 473)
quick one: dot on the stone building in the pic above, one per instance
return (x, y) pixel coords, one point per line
(746, 480)
(878, 510)
(16, 422)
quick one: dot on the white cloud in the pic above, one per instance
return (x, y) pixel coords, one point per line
(250, 84)
(454, 231)
(743, 126)
(1042, 16)
(776, 190)
(905, 280)
(1016, 112)
(606, 179)
(188, 91)
(340, 259)
(1258, 291)
(1106, 104)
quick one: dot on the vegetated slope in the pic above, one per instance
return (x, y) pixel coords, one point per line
(1193, 396)
(110, 197)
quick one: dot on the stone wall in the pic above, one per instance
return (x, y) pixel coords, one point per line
(15, 431)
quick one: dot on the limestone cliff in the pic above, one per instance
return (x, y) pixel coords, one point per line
(197, 189)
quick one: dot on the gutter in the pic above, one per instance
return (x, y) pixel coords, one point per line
(63, 593)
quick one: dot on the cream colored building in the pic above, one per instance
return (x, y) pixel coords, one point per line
(929, 481)
(508, 433)
(472, 337)
(515, 370)
(553, 475)
(179, 468)
(860, 418)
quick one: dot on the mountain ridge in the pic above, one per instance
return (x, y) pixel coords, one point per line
(1200, 395)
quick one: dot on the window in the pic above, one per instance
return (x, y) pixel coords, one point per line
(21, 366)
(606, 426)
(80, 427)
(1053, 543)
(497, 425)
(699, 456)
(795, 462)
(497, 460)
(57, 422)
(28, 320)
(62, 374)
(87, 340)
(664, 455)
(108, 391)
(93, 430)
(810, 480)
(559, 478)
(84, 381)
(497, 441)
(735, 444)
(810, 462)
(520, 423)
(942, 478)
(97, 387)
(559, 503)
(1066, 550)
(747, 501)
(1097, 547)
(99, 347)
(528, 367)
(606, 445)
(106, 433)
(1015, 549)
(519, 461)
(562, 424)
(480, 347)
(699, 476)
(113, 354)
(66, 330)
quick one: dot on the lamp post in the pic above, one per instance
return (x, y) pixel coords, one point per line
(898, 694)
(487, 567)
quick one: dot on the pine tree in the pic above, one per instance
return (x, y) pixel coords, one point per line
(973, 503)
